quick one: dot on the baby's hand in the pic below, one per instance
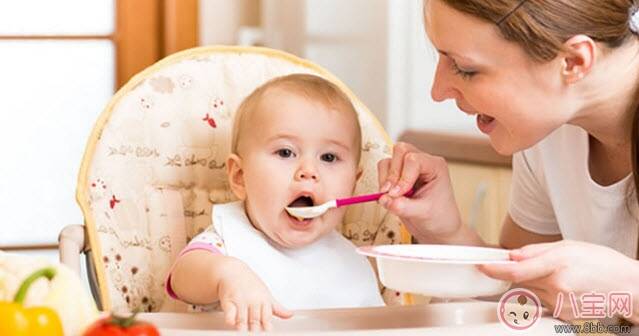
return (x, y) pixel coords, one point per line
(246, 301)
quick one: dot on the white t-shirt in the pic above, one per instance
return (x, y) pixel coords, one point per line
(553, 193)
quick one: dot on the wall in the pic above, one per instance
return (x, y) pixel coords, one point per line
(346, 37)
(411, 67)
(221, 20)
(377, 47)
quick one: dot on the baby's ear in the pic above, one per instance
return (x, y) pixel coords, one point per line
(235, 175)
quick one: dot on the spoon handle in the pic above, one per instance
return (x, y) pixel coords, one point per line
(358, 199)
(365, 198)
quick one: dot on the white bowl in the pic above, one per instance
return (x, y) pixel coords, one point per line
(444, 271)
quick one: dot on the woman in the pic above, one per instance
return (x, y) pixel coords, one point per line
(554, 83)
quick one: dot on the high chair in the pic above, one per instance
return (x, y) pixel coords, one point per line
(155, 163)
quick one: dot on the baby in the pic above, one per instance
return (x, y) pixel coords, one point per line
(296, 142)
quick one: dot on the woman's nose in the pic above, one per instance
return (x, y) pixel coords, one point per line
(442, 84)
(306, 172)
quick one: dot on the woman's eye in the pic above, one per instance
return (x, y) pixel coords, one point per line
(464, 74)
(284, 152)
(329, 157)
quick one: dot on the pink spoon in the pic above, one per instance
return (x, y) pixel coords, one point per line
(318, 210)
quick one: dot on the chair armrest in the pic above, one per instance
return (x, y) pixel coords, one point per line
(72, 243)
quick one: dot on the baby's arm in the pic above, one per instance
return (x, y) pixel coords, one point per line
(203, 275)
(198, 263)
(196, 276)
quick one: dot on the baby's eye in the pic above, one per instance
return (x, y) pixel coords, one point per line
(329, 157)
(284, 152)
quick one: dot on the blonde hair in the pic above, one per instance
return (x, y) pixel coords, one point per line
(310, 86)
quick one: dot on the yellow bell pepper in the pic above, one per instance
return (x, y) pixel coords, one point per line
(16, 320)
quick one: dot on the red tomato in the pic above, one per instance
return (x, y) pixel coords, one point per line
(117, 326)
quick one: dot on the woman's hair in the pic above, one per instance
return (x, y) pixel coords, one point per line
(541, 27)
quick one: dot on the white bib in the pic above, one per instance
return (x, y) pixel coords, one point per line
(326, 274)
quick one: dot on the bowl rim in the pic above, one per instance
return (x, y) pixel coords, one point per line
(374, 251)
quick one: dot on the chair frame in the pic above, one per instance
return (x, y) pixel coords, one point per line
(76, 239)
(72, 244)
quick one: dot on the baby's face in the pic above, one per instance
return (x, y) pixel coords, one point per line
(297, 152)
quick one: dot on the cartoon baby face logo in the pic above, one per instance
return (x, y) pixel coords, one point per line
(519, 309)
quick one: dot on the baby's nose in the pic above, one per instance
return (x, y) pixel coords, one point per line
(306, 174)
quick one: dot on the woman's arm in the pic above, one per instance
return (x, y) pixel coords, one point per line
(514, 236)
(431, 214)
(464, 235)
(570, 267)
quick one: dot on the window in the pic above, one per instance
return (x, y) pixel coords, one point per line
(61, 63)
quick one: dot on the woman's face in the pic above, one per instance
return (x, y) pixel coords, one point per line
(517, 101)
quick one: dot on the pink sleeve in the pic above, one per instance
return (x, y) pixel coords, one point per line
(194, 245)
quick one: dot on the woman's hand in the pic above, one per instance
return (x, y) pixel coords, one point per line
(246, 301)
(431, 214)
(570, 267)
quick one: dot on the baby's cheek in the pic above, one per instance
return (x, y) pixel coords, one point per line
(342, 182)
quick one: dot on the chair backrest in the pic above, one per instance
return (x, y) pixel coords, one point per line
(154, 164)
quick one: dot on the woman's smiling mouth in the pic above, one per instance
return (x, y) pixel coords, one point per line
(485, 123)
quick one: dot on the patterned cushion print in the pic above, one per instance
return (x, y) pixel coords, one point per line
(155, 163)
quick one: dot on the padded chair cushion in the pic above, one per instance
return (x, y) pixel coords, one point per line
(155, 163)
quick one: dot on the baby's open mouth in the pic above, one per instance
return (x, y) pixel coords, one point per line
(302, 201)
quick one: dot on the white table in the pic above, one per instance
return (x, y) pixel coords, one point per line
(457, 318)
